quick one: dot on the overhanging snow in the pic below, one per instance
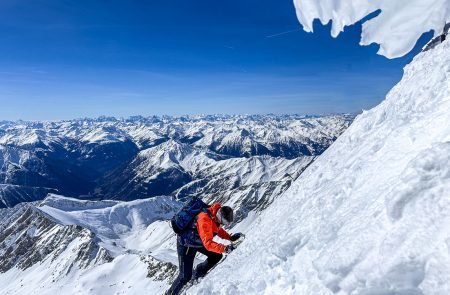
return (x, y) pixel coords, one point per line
(396, 29)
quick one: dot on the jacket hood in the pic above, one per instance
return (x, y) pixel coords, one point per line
(213, 210)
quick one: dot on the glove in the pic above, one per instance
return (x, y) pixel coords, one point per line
(235, 237)
(229, 248)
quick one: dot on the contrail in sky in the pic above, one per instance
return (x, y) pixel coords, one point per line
(282, 33)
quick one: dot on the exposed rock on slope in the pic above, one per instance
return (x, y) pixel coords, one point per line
(34, 237)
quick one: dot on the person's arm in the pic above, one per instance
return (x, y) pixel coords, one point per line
(204, 227)
(223, 234)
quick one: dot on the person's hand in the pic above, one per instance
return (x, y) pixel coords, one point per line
(235, 237)
(229, 248)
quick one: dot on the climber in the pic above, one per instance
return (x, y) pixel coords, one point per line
(199, 238)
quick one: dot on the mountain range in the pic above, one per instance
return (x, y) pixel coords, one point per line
(135, 158)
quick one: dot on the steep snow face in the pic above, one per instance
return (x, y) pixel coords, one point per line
(371, 215)
(397, 28)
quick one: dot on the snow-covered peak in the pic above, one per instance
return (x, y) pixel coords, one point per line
(170, 150)
(104, 134)
(24, 135)
(396, 29)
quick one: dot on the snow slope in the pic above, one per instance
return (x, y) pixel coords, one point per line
(116, 223)
(397, 28)
(371, 215)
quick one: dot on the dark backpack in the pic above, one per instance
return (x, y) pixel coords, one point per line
(182, 221)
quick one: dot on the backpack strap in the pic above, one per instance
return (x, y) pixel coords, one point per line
(194, 220)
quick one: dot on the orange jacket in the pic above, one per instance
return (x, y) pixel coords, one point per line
(208, 226)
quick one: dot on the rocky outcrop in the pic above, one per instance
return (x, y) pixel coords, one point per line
(34, 237)
(159, 270)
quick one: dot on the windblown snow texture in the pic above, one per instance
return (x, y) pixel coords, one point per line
(396, 29)
(371, 215)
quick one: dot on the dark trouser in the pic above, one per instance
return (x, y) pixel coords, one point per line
(186, 258)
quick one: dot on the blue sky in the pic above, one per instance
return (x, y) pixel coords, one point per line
(62, 59)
